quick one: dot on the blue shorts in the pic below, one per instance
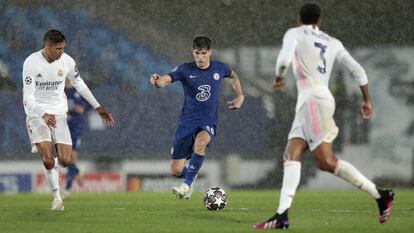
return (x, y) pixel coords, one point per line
(184, 140)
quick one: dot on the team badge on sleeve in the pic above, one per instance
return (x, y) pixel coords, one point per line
(28, 80)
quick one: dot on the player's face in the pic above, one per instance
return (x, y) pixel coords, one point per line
(54, 51)
(202, 57)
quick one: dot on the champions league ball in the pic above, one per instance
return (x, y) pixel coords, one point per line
(215, 199)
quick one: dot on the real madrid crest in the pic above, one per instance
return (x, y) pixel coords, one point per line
(216, 76)
(60, 73)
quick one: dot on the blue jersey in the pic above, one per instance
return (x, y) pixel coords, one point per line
(201, 90)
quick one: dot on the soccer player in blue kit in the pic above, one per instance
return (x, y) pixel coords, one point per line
(201, 81)
(77, 106)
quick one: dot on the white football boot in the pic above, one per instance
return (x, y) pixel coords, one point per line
(181, 191)
(57, 205)
(189, 193)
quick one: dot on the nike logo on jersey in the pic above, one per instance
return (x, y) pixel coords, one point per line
(193, 76)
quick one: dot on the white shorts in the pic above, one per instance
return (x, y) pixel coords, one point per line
(39, 131)
(314, 122)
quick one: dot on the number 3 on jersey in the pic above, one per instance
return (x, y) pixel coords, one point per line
(321, 70)
(204, 93)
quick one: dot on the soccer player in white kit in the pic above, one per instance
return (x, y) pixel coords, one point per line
(45, 105)
(313, 53)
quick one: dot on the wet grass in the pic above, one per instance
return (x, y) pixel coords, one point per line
(312, 211)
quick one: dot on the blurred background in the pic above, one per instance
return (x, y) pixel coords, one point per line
(118, 44)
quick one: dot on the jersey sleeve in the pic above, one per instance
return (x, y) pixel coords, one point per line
(286, 52)
(356, 69)
(226, 71)
(80, 86)
(176, 73)
(29, 89)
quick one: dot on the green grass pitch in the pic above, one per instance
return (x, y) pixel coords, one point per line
(312, 211)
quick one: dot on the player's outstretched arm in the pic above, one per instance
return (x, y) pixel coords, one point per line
(366, 106)
(160, 81)
(106, 116)
(238, 101)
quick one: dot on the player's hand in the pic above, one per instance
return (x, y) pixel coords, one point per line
(154, 78)
(50, 120)
(106, 116)
(279, 84)
(366, 109)
(236, 103)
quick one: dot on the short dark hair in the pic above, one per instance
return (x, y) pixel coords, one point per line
(54, 36)
(309, 13)
(201, 42)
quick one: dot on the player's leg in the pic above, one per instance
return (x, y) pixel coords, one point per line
(291, 178)
(323, 130)
(72, 168)
(41, 139)
(199, 147)
(72, 172)
(180, 152)
(51, 172)
(178, 168)
(63, 143)
(64, 154)
(201, 141)
(327, 161)
(197, 157)
(291, 172)
(63, 140)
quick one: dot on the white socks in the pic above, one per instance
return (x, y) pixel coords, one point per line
(349, 173)
(52, 177)
(291, 178)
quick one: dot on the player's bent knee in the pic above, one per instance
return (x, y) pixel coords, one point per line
(49, 163)
(326, 165)
(176, 171)
(65, 161)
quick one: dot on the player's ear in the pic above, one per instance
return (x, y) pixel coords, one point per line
(299, 21)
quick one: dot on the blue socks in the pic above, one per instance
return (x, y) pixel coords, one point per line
(184, 172)
(193, 167)
(72, 172)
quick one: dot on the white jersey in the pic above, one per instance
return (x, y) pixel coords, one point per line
(44, 84)
(313, 54)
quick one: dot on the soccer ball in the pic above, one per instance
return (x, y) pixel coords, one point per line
(215, 199)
